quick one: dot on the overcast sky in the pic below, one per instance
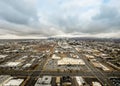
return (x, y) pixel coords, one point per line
(50, 18)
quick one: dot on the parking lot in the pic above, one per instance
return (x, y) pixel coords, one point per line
(53, 66)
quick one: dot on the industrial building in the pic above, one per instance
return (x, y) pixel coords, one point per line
(44, 81)
(12, 64)
(89, 56)
(6, 80)
(54, 56)
(99, 65)
(14, 82)
(79, 81)
(96, 84)
(70, 61)
(3, 56)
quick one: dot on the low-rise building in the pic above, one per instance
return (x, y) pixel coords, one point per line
(54, 56)
(70, 61)
(12, 64)
(4, 79)
(79, 81)
(96, 84)
(44, 81)
(14, 82)
(99, 65)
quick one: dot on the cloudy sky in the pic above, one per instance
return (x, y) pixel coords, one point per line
(59, 18)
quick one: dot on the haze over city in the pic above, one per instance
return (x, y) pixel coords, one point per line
(59, 18)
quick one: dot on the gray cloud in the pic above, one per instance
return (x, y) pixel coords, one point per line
(19, 12)
(107, 20)
(23, 30)
(25, 18)
(109, 16)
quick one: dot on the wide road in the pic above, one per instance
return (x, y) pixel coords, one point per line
(31, 81)
(36, 73)
(97, 73)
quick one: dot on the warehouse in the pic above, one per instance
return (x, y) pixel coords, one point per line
(12, 64)
(4, 79)
(99, 65)
(89, 56)
(70, 61)
(54, 56)
(44, 81)
(96, 84)
(3, 56)
(27, 65)
(14, 82)
(79, 81)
